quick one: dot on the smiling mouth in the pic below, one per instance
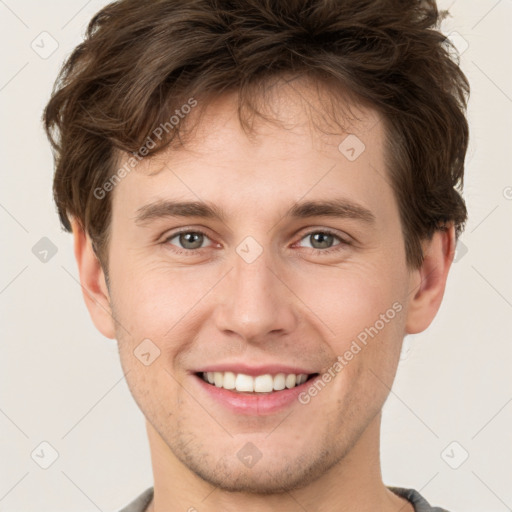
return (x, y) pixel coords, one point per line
(260, 384)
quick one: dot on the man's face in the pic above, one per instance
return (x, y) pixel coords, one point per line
(260, 288)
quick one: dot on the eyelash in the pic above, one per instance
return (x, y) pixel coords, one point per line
(191, 252)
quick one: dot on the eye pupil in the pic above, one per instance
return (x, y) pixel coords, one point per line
(192, 240)
(189, 237)
(325, 240)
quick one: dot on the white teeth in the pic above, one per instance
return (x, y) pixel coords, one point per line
(291, 380)
(218, 379)
(229, 380)
(279, 381)
(260, 384)
(244, 382)
(263, 383)
(301, 378)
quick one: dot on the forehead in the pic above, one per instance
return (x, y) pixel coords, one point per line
(301, 152)
(285, 112)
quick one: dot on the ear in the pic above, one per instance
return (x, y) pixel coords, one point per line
(92, 279)
(427, 283)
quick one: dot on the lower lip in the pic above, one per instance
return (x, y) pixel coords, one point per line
(254, 404)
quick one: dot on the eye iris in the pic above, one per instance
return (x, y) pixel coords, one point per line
(188, 237)
(320, 240)
(325, 240)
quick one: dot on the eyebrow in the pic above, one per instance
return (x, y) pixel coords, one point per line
(337, 208)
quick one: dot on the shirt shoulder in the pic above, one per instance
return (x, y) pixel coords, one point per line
(419, 503)
(140, 503)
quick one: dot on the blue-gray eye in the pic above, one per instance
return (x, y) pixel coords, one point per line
(188, 239)
(321, 239)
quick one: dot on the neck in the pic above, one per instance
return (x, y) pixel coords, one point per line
(354, 483)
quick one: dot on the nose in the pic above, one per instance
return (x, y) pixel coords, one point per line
(257, 303)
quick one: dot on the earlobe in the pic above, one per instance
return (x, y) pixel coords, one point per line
(92, 280)
(429, 281)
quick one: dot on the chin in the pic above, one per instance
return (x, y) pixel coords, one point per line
(265, 477)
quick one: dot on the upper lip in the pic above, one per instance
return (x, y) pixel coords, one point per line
(246, 369)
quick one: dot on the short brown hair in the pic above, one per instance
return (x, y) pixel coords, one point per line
(141, 60)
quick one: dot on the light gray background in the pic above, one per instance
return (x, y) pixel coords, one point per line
(61, 381)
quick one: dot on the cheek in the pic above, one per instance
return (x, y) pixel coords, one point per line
(348, 300)
(363, 322)
(151, 298)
